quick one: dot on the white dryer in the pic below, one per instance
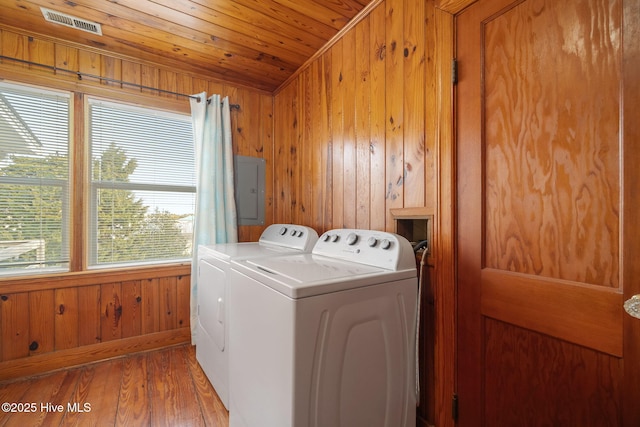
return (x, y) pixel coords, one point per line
(325, 339)
(212, 333)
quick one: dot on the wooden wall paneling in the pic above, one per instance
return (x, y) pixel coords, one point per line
(89, 315)
(326, 106)
(183, 294)
(66, 318)
(131, 308)
(265, 134)
(312, 127)
(111, 311)
(286, 133)
(89, 62)
(183, 85)
(304, 149)
(282, 131)
(149, 307)
(167, 303)
(66, 58)
(217, 88)
(131, 73)
(14, 325)
(111, 68)
(41, 321)
(243, 143)
(394, 73)
(41, 51)
(431, 123)
(292, 155)
(378, 54)
(349, 196)
(199, 85)
(362, 98)
(414, 103)
(150, 78)
(168, 80)
(15, 46)
(337, 135)
(318, 143)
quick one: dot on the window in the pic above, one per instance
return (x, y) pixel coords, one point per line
(34, 180)
(142, 184)
(140, 189)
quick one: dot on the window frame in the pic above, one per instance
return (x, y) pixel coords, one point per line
(90, 196)
(66, 186)
(78, 215)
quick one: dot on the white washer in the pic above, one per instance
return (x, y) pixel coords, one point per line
(212, 333)
(325, 339)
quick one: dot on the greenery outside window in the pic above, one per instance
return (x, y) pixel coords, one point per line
(142, 185)
(34, 180)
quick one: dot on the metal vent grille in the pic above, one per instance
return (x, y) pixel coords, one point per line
(71, 21)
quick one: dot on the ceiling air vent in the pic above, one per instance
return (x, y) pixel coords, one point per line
(71, 21)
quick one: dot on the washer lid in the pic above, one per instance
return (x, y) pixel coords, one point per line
(228, 251)
(305, 275)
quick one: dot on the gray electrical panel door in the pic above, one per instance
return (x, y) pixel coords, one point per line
(250, 187)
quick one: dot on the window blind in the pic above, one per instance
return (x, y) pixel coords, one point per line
(34, 180)
(142, 184)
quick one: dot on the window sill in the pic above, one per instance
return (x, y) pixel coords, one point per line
(91, 277)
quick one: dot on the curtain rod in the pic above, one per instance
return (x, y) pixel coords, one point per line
(81, 75)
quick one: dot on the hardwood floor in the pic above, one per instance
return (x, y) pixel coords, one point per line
(161, 388)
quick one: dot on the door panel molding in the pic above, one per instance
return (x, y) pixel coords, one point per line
(581, 314)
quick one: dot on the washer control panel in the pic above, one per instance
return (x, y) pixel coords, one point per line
(377, 248)
(290, 236)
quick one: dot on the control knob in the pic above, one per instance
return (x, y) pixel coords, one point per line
(352, 239)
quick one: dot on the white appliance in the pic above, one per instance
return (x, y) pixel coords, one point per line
(212, 333)
(325, 339)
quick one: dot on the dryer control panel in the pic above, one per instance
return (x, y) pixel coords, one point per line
(290, 235)
(377, 248)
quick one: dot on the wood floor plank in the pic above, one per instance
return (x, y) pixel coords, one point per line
(95, 401)
(161, 388)
(213, 411)
(134, 404)
(172, 398)
(41, 392)
(62, 395)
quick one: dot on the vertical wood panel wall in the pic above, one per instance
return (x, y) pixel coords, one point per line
(367, 127)
(350, 129)
(57, 321)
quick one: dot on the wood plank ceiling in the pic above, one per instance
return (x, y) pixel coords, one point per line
(253, 43)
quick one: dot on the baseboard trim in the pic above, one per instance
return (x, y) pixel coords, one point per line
(41, 363)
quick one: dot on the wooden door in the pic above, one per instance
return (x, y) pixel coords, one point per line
(548, 160)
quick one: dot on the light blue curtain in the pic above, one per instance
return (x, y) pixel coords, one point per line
(215, 214)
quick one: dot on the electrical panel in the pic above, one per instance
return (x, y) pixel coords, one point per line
(250, 189)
